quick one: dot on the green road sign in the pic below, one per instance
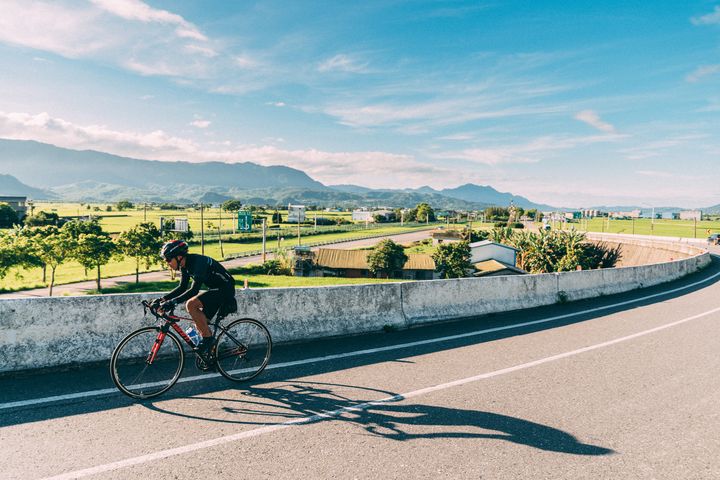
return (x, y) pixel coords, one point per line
(244, 221)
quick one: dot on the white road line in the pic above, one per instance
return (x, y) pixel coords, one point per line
(105, 391)
(360, 407)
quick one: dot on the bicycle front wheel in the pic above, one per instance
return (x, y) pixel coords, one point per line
(147, 363)
(243, 350)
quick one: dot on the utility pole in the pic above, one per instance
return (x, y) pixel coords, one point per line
(145, 212)
(264, 230)
(222, 254)
(298, 229)
(202, 230)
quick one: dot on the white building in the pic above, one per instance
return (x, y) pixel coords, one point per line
(489, 250)
(691, 215)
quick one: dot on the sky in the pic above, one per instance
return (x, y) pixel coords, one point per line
(577, 104)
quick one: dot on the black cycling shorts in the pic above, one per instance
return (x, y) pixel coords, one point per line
(215, 299)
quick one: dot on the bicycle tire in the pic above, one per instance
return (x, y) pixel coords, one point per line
(243, 350)
(130, 354)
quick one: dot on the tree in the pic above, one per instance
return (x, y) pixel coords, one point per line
(93, 251)
(43, 218)
(9, 255)
(452, 260)
(53, 246)
(124, 205)
(8, 216)
(425, 213)
(75, 228)
(387, 258)
(142, 242)
(277, 217)
(232, 205)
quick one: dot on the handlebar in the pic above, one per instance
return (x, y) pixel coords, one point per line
(155, 310)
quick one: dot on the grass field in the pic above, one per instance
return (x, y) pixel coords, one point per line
(115, 222)
(645, 226)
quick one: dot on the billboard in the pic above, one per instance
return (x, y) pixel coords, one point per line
(296, 213)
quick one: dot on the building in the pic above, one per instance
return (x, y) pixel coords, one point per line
(573, 215)
(630, 214)
(494, 268)
(335, 262)
(489, 250)
(369, 215)
(691, 215)
(19, 204)
(494, 259)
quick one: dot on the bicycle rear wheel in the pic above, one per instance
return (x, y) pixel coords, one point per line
(243, 350)
(138, 372)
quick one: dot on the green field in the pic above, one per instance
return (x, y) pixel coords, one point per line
(115, 222)
(645, 226)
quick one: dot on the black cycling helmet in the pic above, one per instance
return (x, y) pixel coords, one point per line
(173, 248)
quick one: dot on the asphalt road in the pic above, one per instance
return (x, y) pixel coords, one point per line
(81, 288)
(620, 387)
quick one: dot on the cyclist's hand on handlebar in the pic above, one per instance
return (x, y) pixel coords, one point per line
(167, 305)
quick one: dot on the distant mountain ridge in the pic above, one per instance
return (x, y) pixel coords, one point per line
(91, 176)
(49, 166)
(11, 186)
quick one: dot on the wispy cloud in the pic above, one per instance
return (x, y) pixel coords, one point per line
(139, 11)
(531, 152)
(593, 119)
(200, 123)
(659, 147)
(703, 71)
(708, 19)
(328, 167)
(343, 63)
(127, 33)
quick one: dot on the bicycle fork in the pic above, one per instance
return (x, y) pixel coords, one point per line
(161, 338)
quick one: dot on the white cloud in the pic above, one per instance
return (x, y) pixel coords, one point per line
(342, 63)
(127, 33)
(709, 19)
(593, 119)
(276, 104)
(200, 123)
(703, 71)
(139, 11)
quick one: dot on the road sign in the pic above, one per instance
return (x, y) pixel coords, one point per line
(244, 221)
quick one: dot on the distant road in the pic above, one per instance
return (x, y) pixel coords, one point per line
(81, 288)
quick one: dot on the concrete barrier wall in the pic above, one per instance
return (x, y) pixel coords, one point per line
(49, 332)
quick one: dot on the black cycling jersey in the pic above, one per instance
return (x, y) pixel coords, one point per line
(203, 271)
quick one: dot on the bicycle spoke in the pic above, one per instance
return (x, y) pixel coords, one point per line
(243, 349)
(131, 371)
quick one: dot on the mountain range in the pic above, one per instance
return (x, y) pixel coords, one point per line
(90, 176)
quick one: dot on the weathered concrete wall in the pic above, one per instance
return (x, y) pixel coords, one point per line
(44, 332)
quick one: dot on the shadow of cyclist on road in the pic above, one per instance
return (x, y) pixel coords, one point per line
(388, 418)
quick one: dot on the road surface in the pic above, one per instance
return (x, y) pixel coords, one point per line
(620, 387)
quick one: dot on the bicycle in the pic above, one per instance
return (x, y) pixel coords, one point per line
(149, 361)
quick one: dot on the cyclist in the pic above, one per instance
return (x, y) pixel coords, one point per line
(201, 306)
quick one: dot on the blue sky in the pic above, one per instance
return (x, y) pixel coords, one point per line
(567, 103)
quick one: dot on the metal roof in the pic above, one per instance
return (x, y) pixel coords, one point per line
(357, 259)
